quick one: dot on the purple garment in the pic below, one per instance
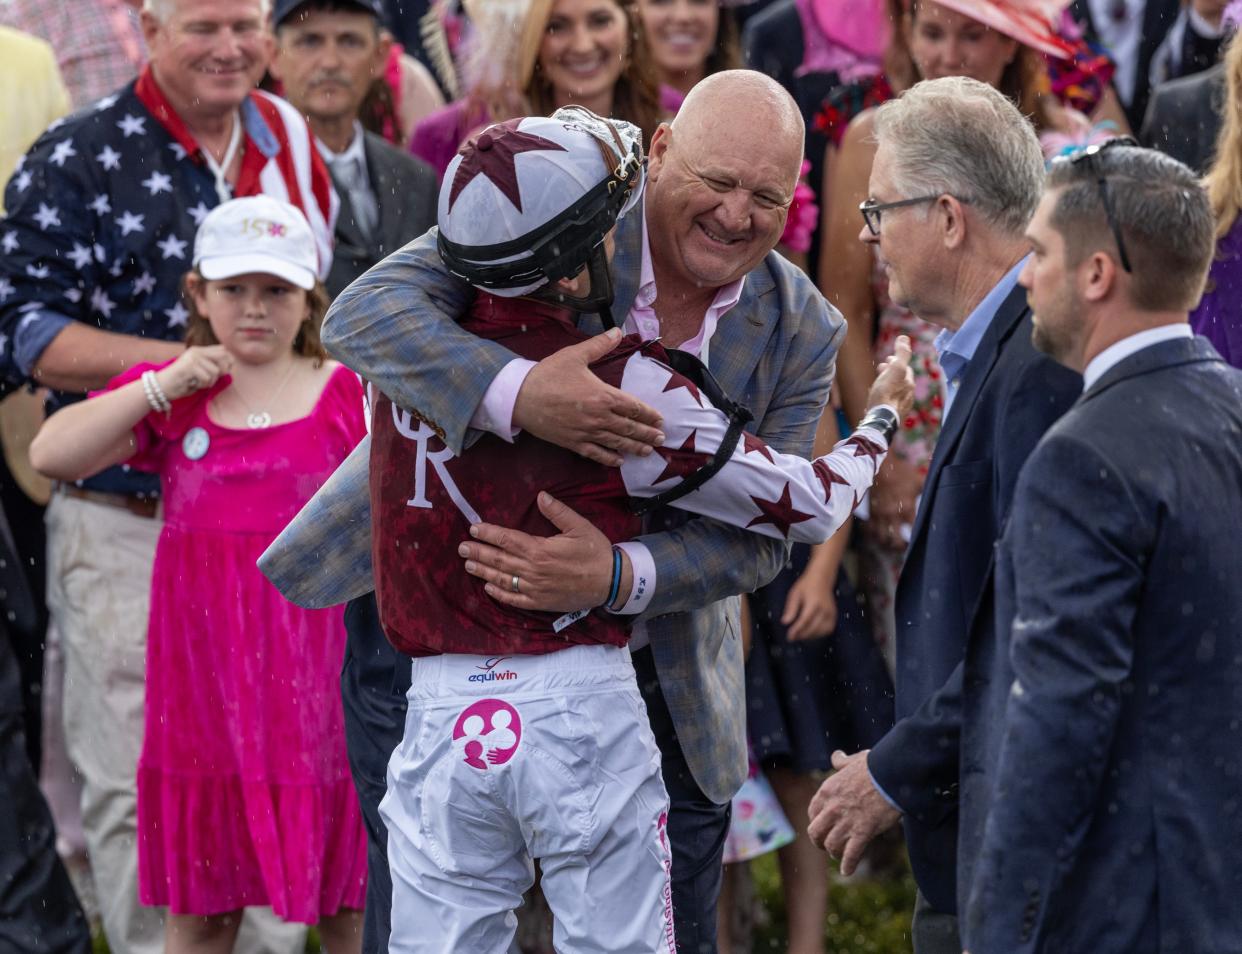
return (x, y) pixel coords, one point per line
(1219, 315)
(439, 134)
(671, 99)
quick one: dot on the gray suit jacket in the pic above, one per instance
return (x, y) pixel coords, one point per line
(1183, 119)
(775, 351)
(406, 190)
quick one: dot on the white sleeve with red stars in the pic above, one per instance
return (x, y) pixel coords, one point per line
(758, 488)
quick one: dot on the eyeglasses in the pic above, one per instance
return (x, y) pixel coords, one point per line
(1088, 155)
(871, 209)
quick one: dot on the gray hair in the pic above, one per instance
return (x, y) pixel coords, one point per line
(960, 137)
(162, 9)
(1161, 209)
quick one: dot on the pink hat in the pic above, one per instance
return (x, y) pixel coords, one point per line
(1030, 22)
(861, 26)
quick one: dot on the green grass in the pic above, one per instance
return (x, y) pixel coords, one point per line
(864, 917)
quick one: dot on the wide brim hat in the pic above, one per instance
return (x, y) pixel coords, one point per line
(1031, 22)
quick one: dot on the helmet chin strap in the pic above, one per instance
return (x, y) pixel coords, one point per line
(598, 299)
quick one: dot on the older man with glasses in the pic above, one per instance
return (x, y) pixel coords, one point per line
(957, 175)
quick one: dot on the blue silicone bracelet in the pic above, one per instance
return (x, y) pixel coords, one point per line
(616, 577)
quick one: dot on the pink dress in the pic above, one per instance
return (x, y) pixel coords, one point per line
(244, 789)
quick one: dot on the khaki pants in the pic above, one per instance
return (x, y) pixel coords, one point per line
(98, 593)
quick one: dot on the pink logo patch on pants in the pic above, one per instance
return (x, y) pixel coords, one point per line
(487, 733)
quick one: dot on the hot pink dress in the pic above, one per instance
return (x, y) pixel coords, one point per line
(244, 790)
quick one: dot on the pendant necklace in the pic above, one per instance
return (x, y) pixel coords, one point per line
(257, 420)
(220, 169)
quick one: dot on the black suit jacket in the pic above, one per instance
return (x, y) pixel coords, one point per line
(1114, 825)
(1158, 17)
(407, 191)
(1008, 397)
(1184, 117)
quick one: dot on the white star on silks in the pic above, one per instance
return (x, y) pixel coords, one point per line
(6, 288)
(99, 252)
(173, 247)
(64, 150)
(109, 158)
(144, 284)
(178, 150)
(47, 217)
(4, 343)
(38, 271)
(177, 316)
(101, 303)
(10, 243)
(131, 223)
(55, 124)
(199, 212)
(81, 256)
(101, 206)
(130, 124)
(106, 103)
(157, 182)
(22, 181)
(73, 294)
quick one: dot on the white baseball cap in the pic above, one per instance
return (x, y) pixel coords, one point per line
(257, 234)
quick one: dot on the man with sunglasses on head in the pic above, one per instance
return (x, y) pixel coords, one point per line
(956, 177)
(1105, 816)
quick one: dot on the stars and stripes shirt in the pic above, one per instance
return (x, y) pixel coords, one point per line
(424, 499)
(102, 214)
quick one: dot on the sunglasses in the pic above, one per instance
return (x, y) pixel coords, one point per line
(871, 210)
(1088, 156)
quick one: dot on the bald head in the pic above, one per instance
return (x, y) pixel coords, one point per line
(715, 106)
(720, 180)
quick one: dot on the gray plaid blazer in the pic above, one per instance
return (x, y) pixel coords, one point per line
(775, 351)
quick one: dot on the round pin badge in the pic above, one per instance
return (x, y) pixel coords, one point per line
(195, 443)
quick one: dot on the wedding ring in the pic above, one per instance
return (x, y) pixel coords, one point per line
(192, 383)
(513, 585)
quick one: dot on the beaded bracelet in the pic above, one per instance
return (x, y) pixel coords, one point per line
(155, 394)
(616, 577)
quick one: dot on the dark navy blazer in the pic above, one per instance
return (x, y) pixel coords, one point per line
(1008, 396)
(1116, 819)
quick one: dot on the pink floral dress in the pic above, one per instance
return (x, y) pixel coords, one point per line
(244, 791)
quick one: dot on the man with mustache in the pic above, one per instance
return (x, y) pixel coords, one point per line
(328, 55)
(101, 219)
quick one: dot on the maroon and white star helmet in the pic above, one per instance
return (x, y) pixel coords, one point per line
(529, 201)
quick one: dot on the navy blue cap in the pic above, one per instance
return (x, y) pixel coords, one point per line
(282, 8)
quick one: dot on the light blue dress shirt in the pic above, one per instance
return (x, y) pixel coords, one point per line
(956, 348)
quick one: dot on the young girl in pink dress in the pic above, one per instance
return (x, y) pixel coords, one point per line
(244, 791)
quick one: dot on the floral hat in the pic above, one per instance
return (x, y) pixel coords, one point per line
(1031, 22)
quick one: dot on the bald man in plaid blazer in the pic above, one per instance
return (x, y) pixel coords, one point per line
(774, 351)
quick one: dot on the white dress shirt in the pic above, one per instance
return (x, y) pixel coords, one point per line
(1120, 350)
(349, 168)
(1121, 37)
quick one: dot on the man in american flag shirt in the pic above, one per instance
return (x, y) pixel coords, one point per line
(101, 219)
